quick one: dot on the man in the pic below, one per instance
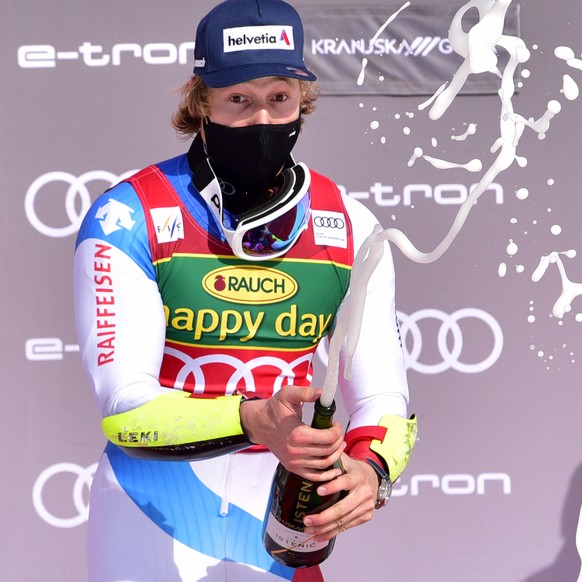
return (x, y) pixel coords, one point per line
(178, 299)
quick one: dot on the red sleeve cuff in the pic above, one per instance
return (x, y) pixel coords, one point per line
(361, 451)
(358, 443)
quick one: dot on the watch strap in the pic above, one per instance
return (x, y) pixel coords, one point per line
(384, 483)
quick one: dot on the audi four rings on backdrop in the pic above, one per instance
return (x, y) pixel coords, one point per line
(77, 200)
(84, 478)
(450, 325)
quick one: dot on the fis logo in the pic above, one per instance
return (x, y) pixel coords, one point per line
(168, 224)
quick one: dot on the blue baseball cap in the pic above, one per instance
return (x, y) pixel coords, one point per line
(240, 40)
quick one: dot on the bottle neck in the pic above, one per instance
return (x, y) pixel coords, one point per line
(323, 415)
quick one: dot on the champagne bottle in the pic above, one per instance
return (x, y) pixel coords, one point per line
(292, 498)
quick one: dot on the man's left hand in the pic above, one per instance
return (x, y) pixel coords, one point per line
(357, 507)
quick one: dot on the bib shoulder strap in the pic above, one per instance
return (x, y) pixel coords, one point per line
(155, 192)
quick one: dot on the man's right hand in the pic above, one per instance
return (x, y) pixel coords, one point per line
(276, 423)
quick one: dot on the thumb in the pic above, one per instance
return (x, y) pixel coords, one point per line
(297, 395)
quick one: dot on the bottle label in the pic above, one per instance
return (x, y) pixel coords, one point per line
(291, 539)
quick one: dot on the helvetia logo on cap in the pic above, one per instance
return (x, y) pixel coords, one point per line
(247, 38)
(250, 284)
(285, 38)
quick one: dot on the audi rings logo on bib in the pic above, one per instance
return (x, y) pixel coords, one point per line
(469, 340)
(329, 228)
(52, 192)
(67, 480)
(250, 284)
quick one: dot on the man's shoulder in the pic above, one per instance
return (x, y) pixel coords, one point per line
(320, 176)
(170, 167)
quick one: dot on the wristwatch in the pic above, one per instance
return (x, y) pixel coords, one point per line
(385, 485)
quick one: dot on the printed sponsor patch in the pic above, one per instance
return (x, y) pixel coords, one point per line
(246, 38)
(114, 216)
(329, 228)
(168, 223)
(250, 285)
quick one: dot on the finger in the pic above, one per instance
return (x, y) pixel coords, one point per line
(330, 450)
(327, 520)
(320, 439)
(315, 468)
(353, 509)
(339, 524)
(299, 394)
(317, 475)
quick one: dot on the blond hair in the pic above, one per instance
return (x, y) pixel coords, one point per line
(194, 104)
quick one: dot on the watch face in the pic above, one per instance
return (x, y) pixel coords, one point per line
(385, 485)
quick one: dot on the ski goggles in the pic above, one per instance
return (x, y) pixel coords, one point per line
(270, 230)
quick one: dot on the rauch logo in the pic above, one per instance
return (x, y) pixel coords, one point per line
(250, 284)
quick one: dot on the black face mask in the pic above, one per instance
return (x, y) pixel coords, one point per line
(248, 159)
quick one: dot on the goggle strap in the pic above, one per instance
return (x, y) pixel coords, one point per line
(298, 174)
(290, 198)
(207, 184)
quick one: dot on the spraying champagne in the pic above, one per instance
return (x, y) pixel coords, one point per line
(292, 498)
